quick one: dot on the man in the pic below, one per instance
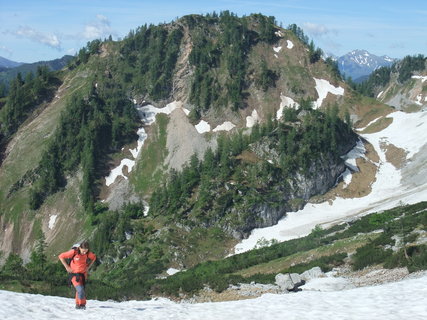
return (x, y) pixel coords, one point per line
(81, 261)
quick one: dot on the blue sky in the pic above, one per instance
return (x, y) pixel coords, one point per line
(47, 29)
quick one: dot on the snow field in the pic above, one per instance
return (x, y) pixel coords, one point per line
(323, 299)
(407, 131)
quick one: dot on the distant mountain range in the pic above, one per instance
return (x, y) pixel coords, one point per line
(6, 63)
(359, 64)
(9, 69)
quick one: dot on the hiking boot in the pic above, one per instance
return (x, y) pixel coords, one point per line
(83, 307)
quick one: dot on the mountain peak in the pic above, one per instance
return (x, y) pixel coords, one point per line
(360, 63)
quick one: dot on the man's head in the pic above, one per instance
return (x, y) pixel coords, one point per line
(84, 247)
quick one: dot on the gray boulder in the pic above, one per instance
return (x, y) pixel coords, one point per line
(289, 281)
(313, 273)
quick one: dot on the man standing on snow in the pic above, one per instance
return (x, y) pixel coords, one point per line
(81, 260)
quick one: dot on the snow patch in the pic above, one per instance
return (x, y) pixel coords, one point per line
(118, 171)
(147, 114)
(142, 136)
(285, 103)
(379, 94)
(252, 119)
(419, 98)
(203, 127)
(422, 78)
(290, 44)
(323, 87)
(350, 161)
(226, 126)
(172, 271)
(279, 34)
(52, 220)
(277, 49)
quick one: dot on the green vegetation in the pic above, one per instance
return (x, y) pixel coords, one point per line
(24, 96)
(89, 128)
(315, 54)
(381, 77)
(208, 192)
(401, 220)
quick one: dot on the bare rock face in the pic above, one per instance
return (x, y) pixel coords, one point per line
(321, 176)
(183, 141)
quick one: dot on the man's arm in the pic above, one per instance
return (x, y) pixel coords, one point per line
(65, 264)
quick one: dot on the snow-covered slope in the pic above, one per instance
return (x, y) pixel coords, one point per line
(359, 63)
(393, 185)
(406, 299)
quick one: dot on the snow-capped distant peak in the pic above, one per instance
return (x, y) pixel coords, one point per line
(359, 63)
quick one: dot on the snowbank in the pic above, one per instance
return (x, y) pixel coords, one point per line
(323, 87)
(252, 119)
(172, 271)
(142, 135)
(203, 127)
(52, 220)
(226, 126)
(277, 49)
(118, 171)
(406, 299)
(422, 78)
(285, 103)
(290, 44)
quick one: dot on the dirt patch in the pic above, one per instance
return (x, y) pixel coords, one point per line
(368, 112)
(361, 182)
(248, 157)
(396, 156)
(378, 125)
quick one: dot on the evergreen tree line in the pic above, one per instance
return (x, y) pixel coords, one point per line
(232, 176)
(315, 54)
(381, 77)
(39, 268)
(214, 57)
(149, 55)
(89, 128)
(24, 96)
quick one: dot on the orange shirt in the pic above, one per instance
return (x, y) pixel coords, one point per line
(79, 263)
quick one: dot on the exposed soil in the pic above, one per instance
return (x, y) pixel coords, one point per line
(396, 156)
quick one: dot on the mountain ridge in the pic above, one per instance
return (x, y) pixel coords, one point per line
(359, 64)
(217, 80)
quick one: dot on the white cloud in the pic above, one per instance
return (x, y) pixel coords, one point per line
(318, 29)
(6, 49)
(97, 29)
(51, 40)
